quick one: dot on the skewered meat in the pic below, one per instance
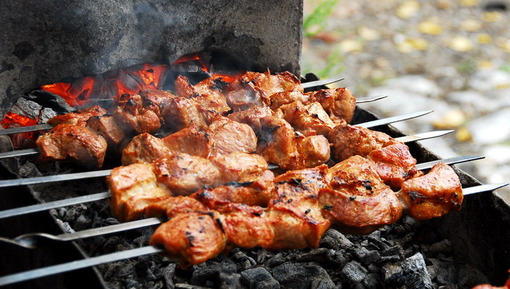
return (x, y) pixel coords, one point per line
(310, 119)
(433, 194)
(77, 118)
(337, 102)
(107, 127)
(133, 188)
(171, 206)
(394, 163)
(132, 115)
(223, 136)
(294, 212)
(357, 196)
(190, 238)
(74, 142)
(351, 140)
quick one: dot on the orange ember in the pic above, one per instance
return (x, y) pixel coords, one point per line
(108, 85)
(20, 140)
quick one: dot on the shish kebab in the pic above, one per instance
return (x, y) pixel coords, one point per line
(61, 268)
(305, 85)
(133, 115)
(30, 240)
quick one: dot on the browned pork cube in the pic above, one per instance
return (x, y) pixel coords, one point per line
(107, 127)
(208, 93)
(337, 102)
(357, 196)
(144, 148)
(190, 238)
(238, 166)
(252, 192)
(394, 164)
(188, 140)
(74, 143)
(246, 226)
(277, 142)
(252, 116)
(185, 174)
(294, 212)
(227, 136)
(132, 115)
(183, 112)
(313, 150)
(77, 118)
(133, 188)
(351, 140)
(433, 194)
(171, 206)
(309, 119)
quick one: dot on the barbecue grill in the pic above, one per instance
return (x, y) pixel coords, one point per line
(43, 42)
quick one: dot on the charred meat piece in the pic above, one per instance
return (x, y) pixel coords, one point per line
(351, 140)
(337, 102)
(252, 116)
(77, 118)
(227, 136)
(357, 196)
(144, 148)
(74, 143)
(256, 89)
(211, 89)
(133, 188)
(309, 119)
(183, 112)
(107, 127)
(189, 140)
(294, 213)
(171, 206)
(132, 115)
(191, 238)
(433, 194)
(246, 226)
(394, 163)
(183, 174)
(155, 99)
(252, 192)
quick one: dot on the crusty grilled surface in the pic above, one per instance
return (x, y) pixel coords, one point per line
(433, 194)
(209, 172)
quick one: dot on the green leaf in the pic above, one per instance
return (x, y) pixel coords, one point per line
(315, 22)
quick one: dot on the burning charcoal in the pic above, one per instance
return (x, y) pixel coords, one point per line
(412, 273)
(354, 272)
(82, 223)
(444, 246)
(277, 259)
(446, 274)
(335, 240)
(318, 255)
(243, 260)
(211, 272)
(365, 256)
(302, 275)
(259, 278)
(228, 280)
(168, 273)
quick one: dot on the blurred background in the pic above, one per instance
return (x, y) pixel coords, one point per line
(446, 55)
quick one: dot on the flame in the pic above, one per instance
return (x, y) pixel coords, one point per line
(108, 85)
(20, 140)
(111, 85)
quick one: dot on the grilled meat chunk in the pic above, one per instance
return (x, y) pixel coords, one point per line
(227, 136)
(133, 188)
(189, 140)
(256, 190)
(246, 226)
(107, 127)
(132, 115)
(239, 167)
(433, 194)
(183, 174)
(394, 163)
(72, 142)
(172, 206)
(144, 148)
(357, 196)
(351, 140)
(191, 238)
(294, 212)
(309, 119)
(337, 102)
(77, 118)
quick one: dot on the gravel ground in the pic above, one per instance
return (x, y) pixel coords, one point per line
(450, 56)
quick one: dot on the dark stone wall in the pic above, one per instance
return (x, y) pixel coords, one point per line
(45, 41)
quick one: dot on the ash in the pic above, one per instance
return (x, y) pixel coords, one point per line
(407, 254)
